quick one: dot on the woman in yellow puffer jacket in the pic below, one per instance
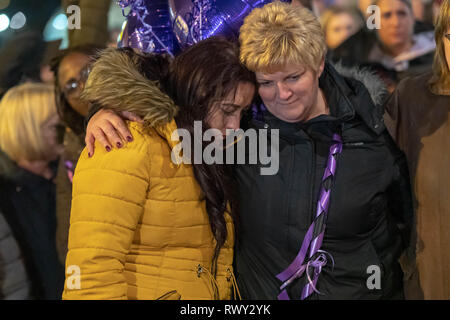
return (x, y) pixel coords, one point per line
(142, 226)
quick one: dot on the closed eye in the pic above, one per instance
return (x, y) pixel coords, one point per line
(295, 77)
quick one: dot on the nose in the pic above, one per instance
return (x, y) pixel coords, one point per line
(284, 92)
(395, 20)
(233, 122)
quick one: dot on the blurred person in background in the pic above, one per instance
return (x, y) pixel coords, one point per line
(339, 23)
(26, 58)
(362, 6)
(71, 69)
(14, 281)
(423, 13)
(30, 142)
(435, 8)
(418, 119)
(393, 51)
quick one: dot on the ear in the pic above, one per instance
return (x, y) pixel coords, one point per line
(321, 67)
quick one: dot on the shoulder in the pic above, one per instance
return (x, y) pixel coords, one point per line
(411, 93)
(133, 156)
(411, 84)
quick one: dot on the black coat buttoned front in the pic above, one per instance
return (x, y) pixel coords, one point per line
(370, 211)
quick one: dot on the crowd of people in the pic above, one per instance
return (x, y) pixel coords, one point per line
(357, 94)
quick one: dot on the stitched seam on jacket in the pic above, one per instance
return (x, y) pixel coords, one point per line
(96, 287)
(115, 171)
(222, 273)
(103, 222)
(141, 206)
(177, 201)
(181, 177)
(148, 225)
(98, 248)
(105, 271)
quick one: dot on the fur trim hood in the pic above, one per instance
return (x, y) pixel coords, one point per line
(373, 83)
(116, 82)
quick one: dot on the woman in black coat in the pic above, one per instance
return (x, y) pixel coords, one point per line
(342, 188)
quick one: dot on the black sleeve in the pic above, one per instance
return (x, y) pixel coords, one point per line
(95, 107)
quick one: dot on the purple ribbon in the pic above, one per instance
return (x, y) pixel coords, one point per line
(317, 258)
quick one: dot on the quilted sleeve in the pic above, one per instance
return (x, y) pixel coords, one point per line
(109, 193)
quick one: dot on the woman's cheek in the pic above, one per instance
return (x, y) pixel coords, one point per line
(266, 94)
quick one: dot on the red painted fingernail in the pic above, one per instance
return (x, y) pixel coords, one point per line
(89, 154)
(119, 145)
(129, 139)
(108, 148)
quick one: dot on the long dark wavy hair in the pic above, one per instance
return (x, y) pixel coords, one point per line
(200, 77)
(67, 114)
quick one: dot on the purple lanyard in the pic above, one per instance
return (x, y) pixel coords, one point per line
(298, 266)
(69, 167)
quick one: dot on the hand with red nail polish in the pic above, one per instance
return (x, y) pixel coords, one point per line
(109, 129)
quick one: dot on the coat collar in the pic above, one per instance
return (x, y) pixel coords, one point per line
(168, 131)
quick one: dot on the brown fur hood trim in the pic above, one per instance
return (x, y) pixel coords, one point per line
(116, 83)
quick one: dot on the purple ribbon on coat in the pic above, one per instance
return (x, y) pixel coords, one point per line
(317, 258)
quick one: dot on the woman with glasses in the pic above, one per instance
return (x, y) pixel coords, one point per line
(71, 69)
(418, 119)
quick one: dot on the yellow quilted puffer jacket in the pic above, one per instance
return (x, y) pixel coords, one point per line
(138, 227)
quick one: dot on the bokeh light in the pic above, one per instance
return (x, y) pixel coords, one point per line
(4, 22)
(18, 20)
(60, 22)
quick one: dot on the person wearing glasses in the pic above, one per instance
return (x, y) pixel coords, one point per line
(71, 69)
(418, 119)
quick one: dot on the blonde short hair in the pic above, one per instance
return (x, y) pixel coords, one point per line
(23, 110)
(279, 34)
